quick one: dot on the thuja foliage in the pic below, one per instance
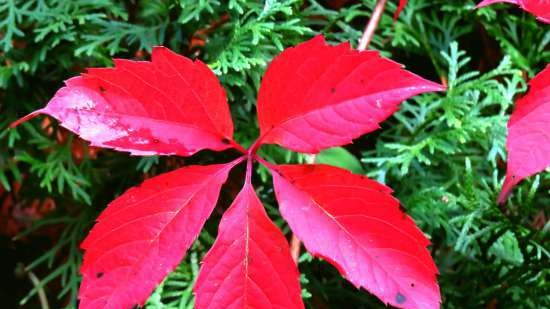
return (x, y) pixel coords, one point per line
(443, 154)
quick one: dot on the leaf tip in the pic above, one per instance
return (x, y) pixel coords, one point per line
(509, 183)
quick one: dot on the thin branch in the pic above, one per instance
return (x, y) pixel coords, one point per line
(295, 243)
(22, 270)
(372, 25)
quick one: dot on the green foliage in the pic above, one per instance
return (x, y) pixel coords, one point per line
(443, 154)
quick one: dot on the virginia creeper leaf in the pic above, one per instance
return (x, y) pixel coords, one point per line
(528, 141)
(171, 105)
(249, 265)
(314, 96)
(539, 8)
(355, 224)
(143, 235)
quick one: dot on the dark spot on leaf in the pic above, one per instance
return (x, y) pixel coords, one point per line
(225, 140)
(513, 176)
(99, 275)
(412, 284)
(102, 89)
(400, 298)
(332, 90)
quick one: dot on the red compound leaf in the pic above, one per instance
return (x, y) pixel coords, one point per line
(171, 105)
(528, 141)
(249, 265)
(539, 8)
(355, 224)
(143, 235)
(314, 96)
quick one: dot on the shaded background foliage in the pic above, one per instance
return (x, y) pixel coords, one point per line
(442, 153)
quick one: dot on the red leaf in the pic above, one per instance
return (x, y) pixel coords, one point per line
(528, 141)
(400, 8)
(539, 8)
(171, 105)
(355, 224)
(249, 265)
(143, 235)
(314, 96)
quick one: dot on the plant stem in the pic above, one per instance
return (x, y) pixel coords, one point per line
(248, 178)
(295, 243)
(36, 283)
(372, 25)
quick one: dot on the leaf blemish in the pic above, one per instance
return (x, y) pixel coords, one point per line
(400, 298)
(99, 275)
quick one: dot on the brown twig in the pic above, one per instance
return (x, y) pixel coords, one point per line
(41, 294)
(371, 26)
(295, 243)
(21, 270)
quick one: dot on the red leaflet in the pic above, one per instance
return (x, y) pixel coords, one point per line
(400, 8)
(528, 141)
(315, 96)
(170, 105)
(143, 235)
(249, 265)
(539, 8)
(354, 223)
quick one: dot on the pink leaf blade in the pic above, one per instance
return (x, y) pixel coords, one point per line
(489, 2)
(528, 141)
(539, 8)
(249, 265)
(355, 224)
(143, 235)
(170, 105)
(315, 96)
